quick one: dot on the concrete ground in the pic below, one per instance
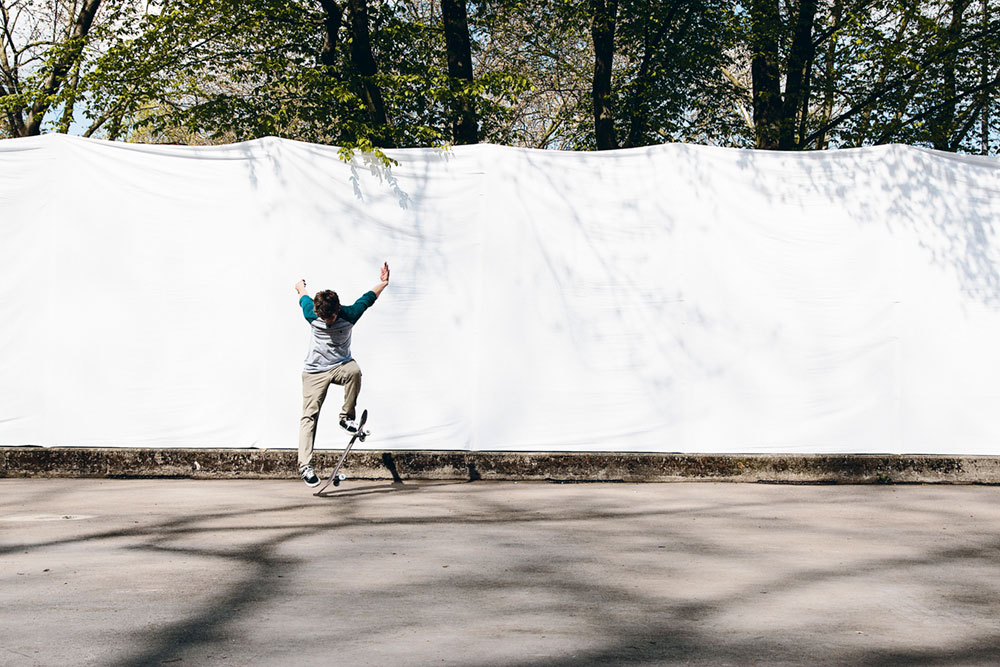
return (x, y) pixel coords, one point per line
(260, 572)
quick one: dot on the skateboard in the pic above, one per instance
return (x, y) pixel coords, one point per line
(336, 477)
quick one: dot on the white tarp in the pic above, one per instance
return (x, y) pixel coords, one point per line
(672, 298)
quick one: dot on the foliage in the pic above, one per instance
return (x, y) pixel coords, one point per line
(231, 69)
(45, 48)
(199, 71)
(907, 71)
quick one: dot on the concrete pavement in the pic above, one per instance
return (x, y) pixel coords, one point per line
(260, 572)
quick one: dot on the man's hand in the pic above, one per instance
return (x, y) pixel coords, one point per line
(384, 278)
(300, 287)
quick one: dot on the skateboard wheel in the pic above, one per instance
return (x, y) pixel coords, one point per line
(336, 481)
(341, 477)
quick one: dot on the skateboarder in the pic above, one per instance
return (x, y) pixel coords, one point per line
(329, 360)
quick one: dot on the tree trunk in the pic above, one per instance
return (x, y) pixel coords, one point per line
(72, 86)
(800, 58)
(804, 102)
(605, 15)
(767, 104)
(459, 50)
(71, 53)
(984, 113)
(15, 119)
(638, 105)
(333, 18)
(8, 78)
(943, 123)
(829, 84)
(364, 62)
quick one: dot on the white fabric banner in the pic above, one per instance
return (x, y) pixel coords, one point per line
(671, 298)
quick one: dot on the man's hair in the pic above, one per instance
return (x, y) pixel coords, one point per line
(327, 304)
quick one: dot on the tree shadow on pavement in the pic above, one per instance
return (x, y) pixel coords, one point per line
(392, 487)
(486, 574)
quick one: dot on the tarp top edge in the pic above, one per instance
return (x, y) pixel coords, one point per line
(265, 145)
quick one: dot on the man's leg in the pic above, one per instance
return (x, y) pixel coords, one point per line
(314, 386)
(348, 374)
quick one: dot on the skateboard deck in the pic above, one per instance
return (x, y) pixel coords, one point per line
(336, 477)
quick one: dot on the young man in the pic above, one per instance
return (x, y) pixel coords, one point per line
(329, 360)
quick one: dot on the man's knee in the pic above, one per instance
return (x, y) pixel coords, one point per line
(352, 373)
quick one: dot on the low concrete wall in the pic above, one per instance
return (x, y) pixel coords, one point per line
(579, 467)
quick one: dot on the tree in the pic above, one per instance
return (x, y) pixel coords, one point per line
(870, 71)
(357, 73)
(776, 115)
(458, 44)
(670, 83)
(39, 69)
(604, 15)
(307, 70)
(542, 53)
(609, 73)
(367, 69)
(571, 74)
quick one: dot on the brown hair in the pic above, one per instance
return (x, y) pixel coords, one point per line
(327, 304)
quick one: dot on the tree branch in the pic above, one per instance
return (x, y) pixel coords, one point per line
(881, 91)
(994, 82)
(57, 75)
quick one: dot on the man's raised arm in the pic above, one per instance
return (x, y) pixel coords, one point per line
(383, 280)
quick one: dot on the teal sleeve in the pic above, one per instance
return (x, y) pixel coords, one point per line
(307, 308)
(354, 312)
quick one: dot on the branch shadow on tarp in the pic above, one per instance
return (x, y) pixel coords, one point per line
(946, 201)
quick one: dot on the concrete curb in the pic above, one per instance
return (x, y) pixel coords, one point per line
(514, 466)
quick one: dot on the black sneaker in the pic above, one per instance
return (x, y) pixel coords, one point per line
(349, 425)
(309, 476)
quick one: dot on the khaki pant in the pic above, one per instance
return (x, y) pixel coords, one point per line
(314, 387)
